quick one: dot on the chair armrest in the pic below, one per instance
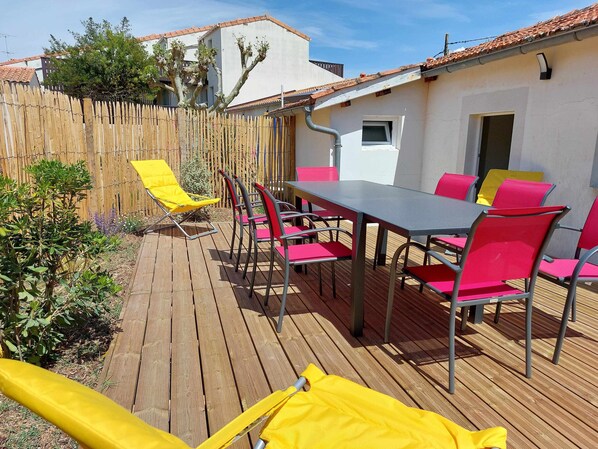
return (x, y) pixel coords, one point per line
(287, 205)
(569, 228)
(443, 260)
(256, 217)
(315, 231)
(548, 259)
(582, 261)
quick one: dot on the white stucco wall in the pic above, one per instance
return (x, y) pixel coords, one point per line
(397, 165)
(287, 62)
(555, 128)
(313, 149)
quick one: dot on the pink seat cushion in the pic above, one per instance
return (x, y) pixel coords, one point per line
(243, 219)
(442, 278)
(563, 269)
(263, 234)
(457, 242)
(316, 252)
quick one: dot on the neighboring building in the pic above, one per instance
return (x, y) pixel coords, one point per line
(485, 107)
(287, 65)
(19, 75)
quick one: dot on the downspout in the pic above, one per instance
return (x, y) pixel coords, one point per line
(322, 129)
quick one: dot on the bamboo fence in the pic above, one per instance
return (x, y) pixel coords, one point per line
(39, 124)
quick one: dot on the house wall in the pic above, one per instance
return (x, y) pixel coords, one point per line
(287, 62)
(555, 127)
(314, 149)
(397, 165)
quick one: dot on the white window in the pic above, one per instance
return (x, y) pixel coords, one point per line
(376, 132)
(381, 132)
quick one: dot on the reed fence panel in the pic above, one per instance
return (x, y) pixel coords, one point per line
(38, 124)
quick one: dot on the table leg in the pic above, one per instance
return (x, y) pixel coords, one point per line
(358, 275)
(476, 314)
(381, 239)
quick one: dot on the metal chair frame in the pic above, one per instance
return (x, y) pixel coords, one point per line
(525, 295)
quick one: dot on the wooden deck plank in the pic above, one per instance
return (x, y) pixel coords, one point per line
(188, 411)
(226, 354)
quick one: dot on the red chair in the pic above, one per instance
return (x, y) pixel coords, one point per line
(240, 218)
(319, 174)
(511, 193)
(503, 245)
(306, 253)
(569, 272)
(457, 186)
(262, 234)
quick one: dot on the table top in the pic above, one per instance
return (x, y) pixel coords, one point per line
(405, 211)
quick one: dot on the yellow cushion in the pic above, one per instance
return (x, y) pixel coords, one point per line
(159, 180)
(495, 178)
(336, 413)
(89, 417)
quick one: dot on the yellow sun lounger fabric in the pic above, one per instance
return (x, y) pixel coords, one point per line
(495, 177)
(338, 413)
(333, 413)
(163, 187)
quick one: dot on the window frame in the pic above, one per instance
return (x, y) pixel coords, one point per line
(385, 124)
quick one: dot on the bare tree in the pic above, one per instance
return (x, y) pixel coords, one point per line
(187, 79)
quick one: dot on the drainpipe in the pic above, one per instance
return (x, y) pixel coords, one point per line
(322, 129)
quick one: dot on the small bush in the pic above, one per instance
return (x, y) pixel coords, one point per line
(196, 179)
(108, 224)
(49, 280)
(132, 224)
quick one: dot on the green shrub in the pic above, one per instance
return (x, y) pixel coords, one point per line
(132, 224)
(196, 179)
(49, 280)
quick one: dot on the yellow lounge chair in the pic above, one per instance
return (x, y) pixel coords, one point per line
(162, 186)
(332, 413)
(495, 177)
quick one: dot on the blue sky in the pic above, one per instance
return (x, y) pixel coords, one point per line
(365, 35)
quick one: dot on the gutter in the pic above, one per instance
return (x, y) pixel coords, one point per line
(521, 49)
(322, 129)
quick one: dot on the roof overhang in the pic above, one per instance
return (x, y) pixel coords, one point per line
(577, 34)
(368, 88)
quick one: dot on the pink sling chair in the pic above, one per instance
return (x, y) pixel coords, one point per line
(306, 253)
(511, 193)
(570, 272)
(503, 245)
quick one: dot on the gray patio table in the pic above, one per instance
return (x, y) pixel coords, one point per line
(407, 212)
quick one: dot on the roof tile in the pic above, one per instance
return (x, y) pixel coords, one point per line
(17, 74)
(579, 18)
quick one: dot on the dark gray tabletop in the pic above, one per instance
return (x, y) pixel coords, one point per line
(407, 212)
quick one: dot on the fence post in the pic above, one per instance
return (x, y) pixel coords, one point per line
(91, 157)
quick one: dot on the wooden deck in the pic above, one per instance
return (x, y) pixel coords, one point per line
(195, 350)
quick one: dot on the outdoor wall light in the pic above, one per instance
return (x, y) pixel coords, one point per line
(545, 71)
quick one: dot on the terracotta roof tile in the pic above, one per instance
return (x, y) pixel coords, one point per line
(209, 28)
(316, 92)
(18, 60)
(17, 74)
(576, 19)
(191, 30)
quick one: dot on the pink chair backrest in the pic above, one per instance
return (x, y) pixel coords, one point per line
(519, 193)
(317, 174)
(589, 234)
(230, 188)
(506, 244)
(271, 209)
(453, 185)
